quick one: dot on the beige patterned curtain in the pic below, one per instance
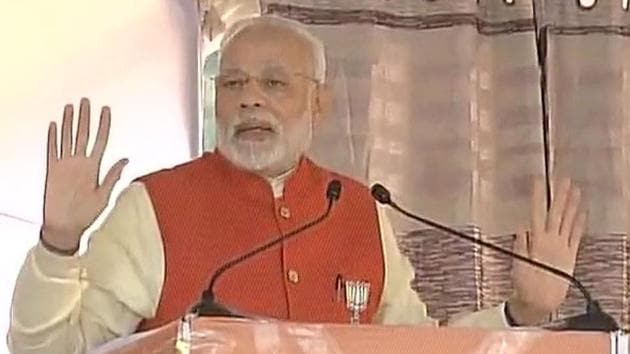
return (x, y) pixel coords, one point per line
(588, 112)
(456, 104)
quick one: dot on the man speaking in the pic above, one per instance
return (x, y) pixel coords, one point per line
(170, 230)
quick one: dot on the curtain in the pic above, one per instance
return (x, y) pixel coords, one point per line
(587, 66)
(456, 104)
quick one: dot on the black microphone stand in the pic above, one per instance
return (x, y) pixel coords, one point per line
(209, 307)
(595, 319)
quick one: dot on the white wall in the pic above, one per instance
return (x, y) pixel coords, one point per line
(137, 56)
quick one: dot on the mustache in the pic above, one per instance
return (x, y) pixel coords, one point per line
(253, 122)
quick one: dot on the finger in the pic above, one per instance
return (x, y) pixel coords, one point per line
(538, 207)
(558, 205)
(113, 176)
(83, 130)
(522, 246)
(102, 135)
(570, 212)
(520, 243)
(66, 131)
(577, 232)
(52, 143)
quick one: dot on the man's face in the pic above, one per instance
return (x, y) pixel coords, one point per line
(265, 100)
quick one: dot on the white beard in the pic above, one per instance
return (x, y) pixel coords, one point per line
(274, 155)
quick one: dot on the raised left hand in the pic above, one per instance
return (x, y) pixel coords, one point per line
(553, 239)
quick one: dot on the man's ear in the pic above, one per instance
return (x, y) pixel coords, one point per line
(323, 104)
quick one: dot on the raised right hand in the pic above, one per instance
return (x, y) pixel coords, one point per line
(73, 197)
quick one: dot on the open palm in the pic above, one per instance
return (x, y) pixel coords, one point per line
(554, 239)
(73, 196)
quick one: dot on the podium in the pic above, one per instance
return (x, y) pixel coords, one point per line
(243, 336)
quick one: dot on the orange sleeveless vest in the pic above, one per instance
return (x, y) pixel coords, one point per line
(210, 212)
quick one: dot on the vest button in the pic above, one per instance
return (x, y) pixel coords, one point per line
(294, 276)
(284, 212)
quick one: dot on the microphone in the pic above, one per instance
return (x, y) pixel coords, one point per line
(208, 307)
(595, 318)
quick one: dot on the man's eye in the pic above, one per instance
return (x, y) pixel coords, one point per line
(233, 83)
(275, 83)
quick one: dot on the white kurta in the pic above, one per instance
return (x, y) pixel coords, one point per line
(72, 304)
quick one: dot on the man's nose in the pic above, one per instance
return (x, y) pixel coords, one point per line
(252, 96)
(252, 104)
